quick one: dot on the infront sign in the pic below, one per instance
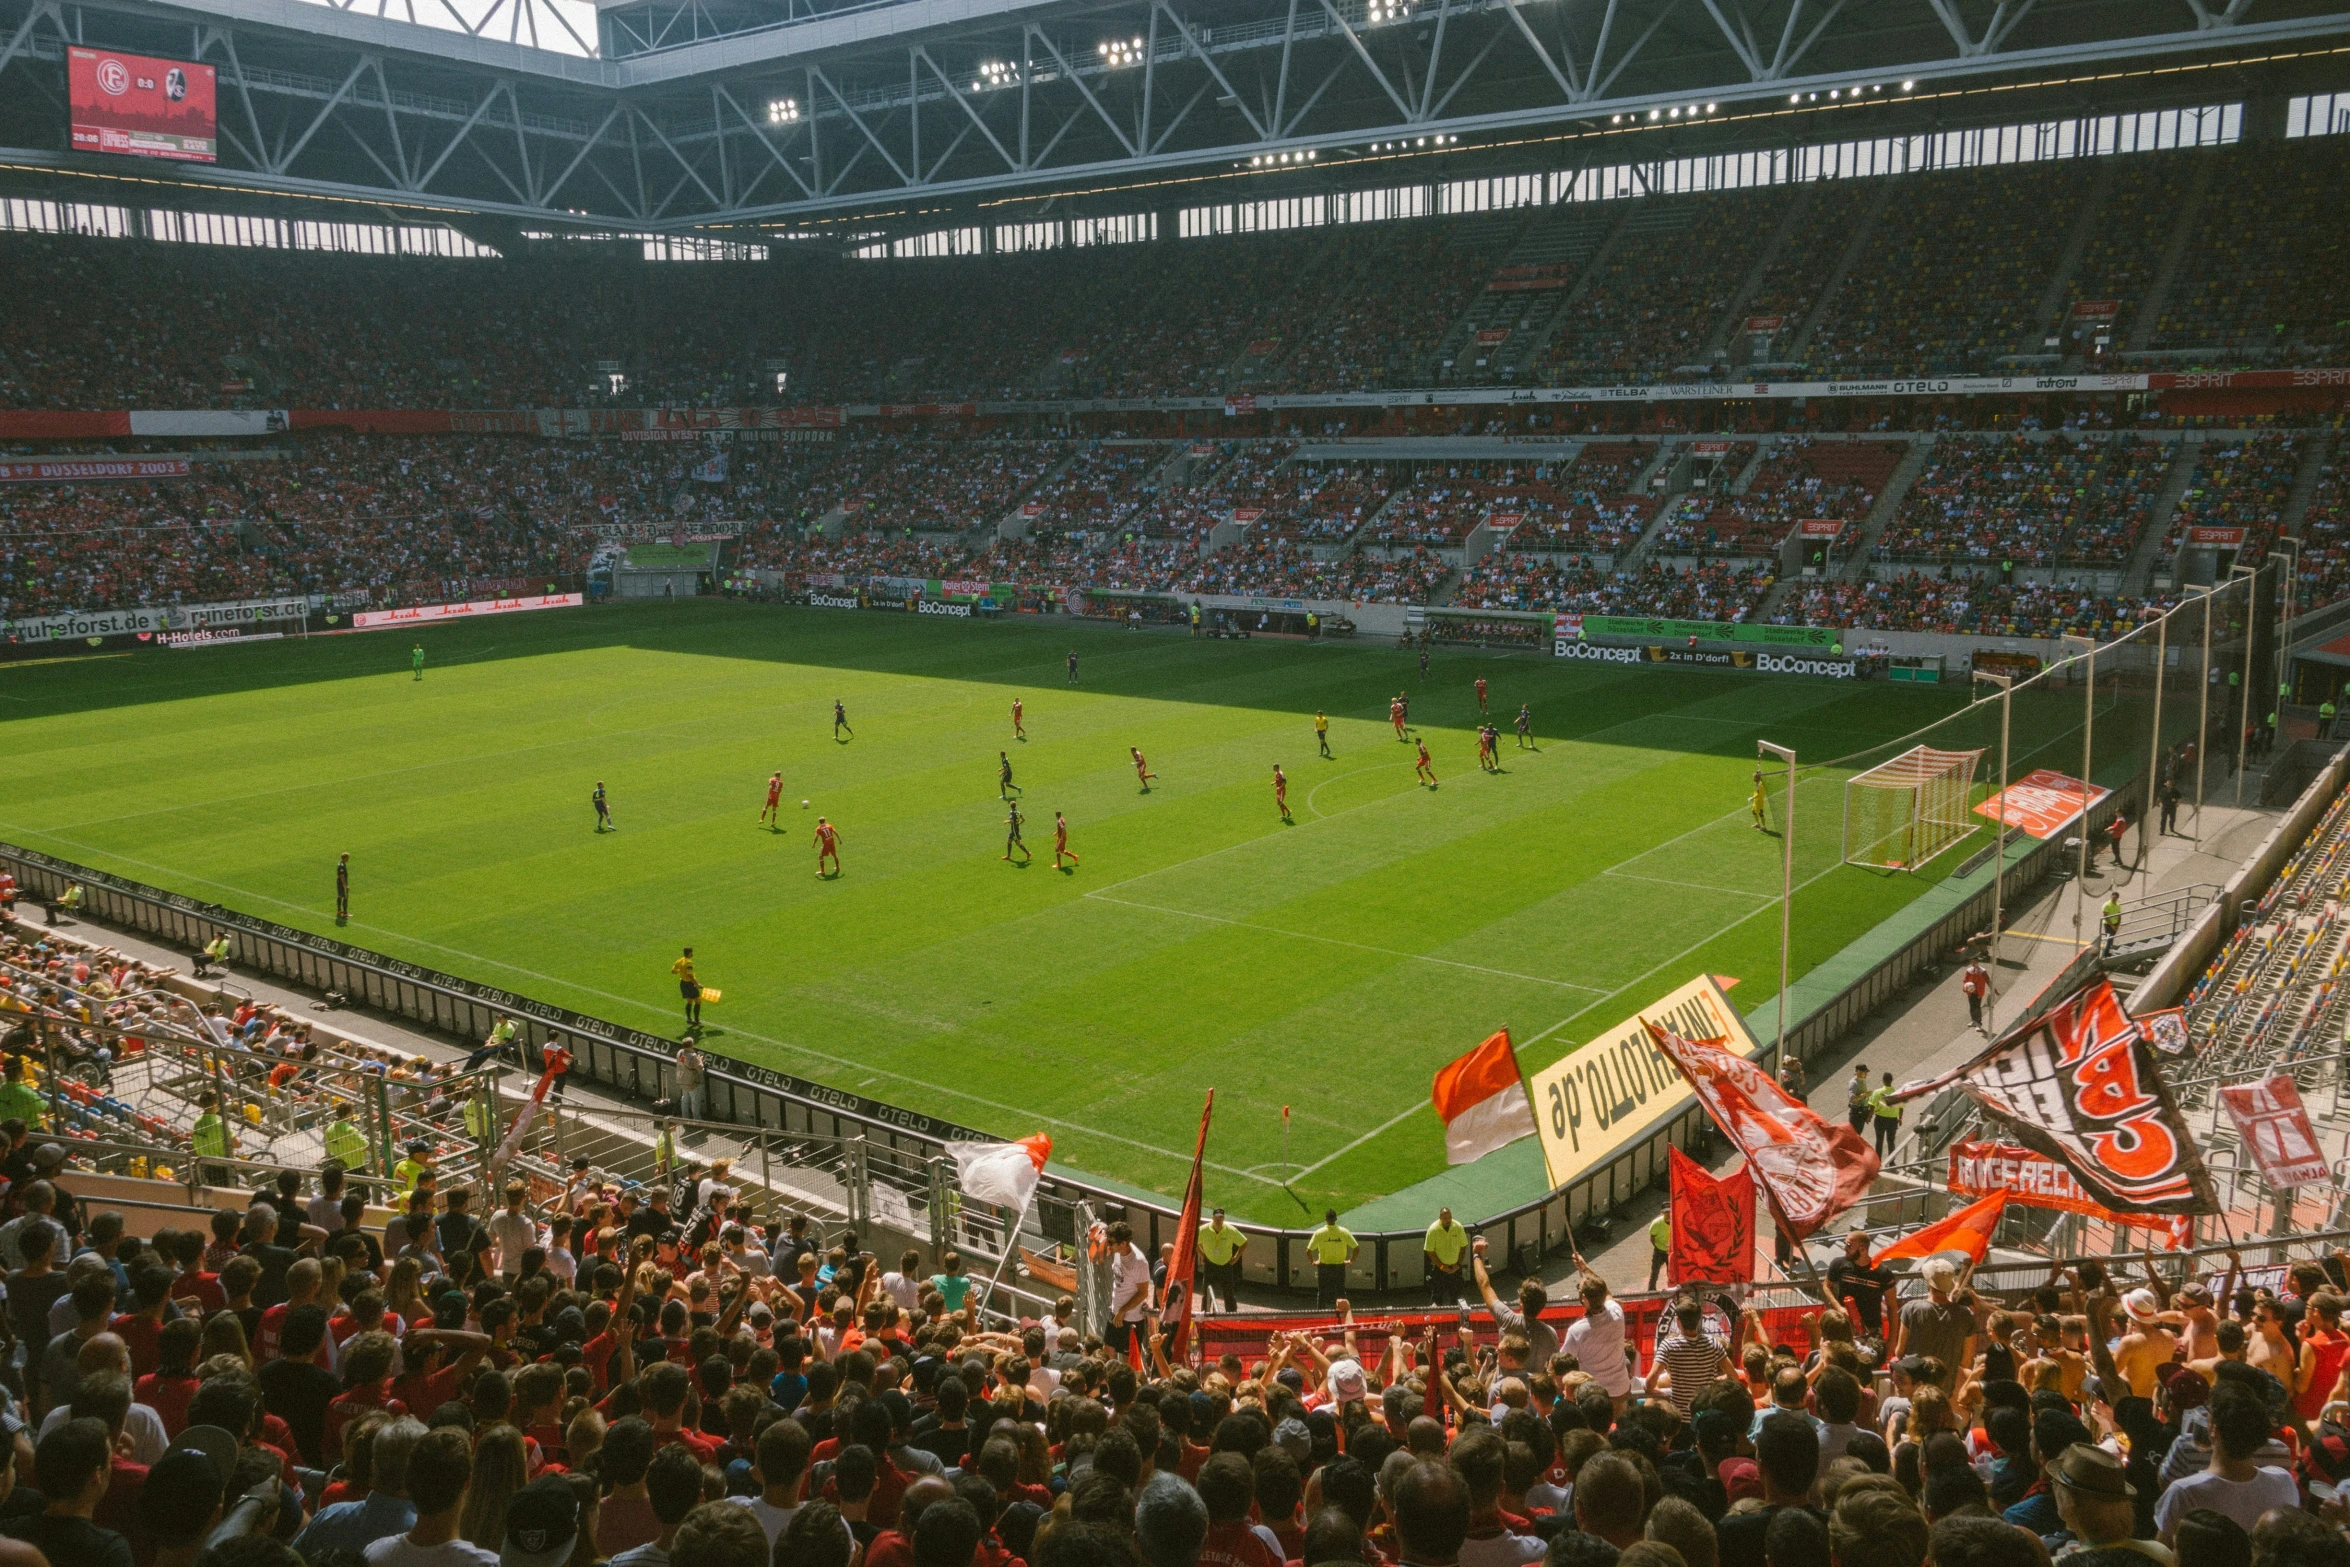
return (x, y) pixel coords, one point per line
(1609, 1096)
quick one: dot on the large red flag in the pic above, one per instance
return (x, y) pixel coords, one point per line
(1713, 1223)
(1175, 1309)
(1968, 1230)
(1811, 1170)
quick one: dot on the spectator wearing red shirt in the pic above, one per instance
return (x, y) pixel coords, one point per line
(428, 1384)
(665, 1388)
(195, 1282)
(167, 1388)
(138, 1330)
(1228, 1487)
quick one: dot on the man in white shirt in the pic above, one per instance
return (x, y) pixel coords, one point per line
(781, 1466)
(512, 1231)
(1596, 1340)
(905, 1285)
(2234, 1485)
(1130, 1287)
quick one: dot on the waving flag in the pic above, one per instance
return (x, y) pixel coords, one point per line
(1810, 1169)
(1482, 1100)
(2078, 1083)
(1001, 1173)
(1713, 1223)
(1175, 1302)
(1968, 1230)
(558, 1062)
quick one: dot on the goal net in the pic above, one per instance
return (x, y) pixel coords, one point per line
(1900, 814)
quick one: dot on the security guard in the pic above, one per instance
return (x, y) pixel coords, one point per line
(1660, 1246)
(1332, 1247)
(2111, 915)
(345, 1143)
(1220, 1246)
(210, 1140)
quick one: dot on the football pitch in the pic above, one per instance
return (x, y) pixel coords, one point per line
(1329, 964)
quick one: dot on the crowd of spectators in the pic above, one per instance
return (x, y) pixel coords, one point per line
(1798, 479)
(1963, 603)
(2325, 534)
(2122, 254)
(1642, 316)
(2057, 502)
(1722, 591)
(2243, 285)
(2241, 483)
(1949, 280)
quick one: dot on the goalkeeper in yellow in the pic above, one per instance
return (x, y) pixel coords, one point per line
(1759, 803)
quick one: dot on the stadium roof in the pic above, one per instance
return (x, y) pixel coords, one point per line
(887, 115)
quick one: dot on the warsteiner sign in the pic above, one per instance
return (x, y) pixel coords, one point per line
(1609, 1096)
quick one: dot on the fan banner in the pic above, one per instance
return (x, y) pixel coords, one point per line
(1713, 1224)
(1181, 1287)
(1810, 1170)
(2035, 1181)
(2270, 1120)
(2166, 1031)
(2078, 1083)
(1969, 1230)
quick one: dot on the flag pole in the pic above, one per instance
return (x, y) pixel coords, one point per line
(1011, 1245)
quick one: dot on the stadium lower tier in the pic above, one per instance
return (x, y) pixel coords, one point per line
(1687, 530)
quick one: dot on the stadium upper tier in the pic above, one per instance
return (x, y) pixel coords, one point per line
(2225, 256)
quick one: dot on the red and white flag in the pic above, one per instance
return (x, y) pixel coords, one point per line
(2272, 1123)
(1482, 1100)
(558, 1062)
(1810, 1169)
(1968, 1230)
(1001, 1173)
(1713, 1223)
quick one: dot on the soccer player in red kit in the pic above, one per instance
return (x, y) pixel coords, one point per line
(1061, 847)
(827, 847)
(770, 815)
(1425, 768)
(1281, 791)
(1395, 715)
(1480, 693)
(1019, 732)
(1142, 769)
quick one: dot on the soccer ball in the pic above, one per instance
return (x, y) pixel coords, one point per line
(803, 805)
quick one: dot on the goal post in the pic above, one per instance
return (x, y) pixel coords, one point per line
(1901, 813)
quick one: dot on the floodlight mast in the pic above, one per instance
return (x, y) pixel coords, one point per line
(1765, 750)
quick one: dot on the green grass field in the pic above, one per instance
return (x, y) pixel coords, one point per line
(1330, 965)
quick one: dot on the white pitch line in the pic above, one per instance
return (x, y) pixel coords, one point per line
(1023, 1112)
(1695, 886)
(1384, 1126)
(1335, 941)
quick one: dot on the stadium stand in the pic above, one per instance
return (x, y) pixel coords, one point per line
(1964, 603)
(1638, 321)
(1947, 281)
(2054, 502)
(2245, 288)
(2238, 484)
(1798, 479)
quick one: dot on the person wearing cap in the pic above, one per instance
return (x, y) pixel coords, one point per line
(417, 1163)
(542, 1524)
(1220, 1246)
(440, 1470)
(1940, 1326)
(178, 1505)
(2147, 1345)
(1332, 1247)
(2099, 1507)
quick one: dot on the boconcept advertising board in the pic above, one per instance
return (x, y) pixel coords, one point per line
(1760, 660)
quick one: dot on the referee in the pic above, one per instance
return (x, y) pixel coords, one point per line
(1332, 1247)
